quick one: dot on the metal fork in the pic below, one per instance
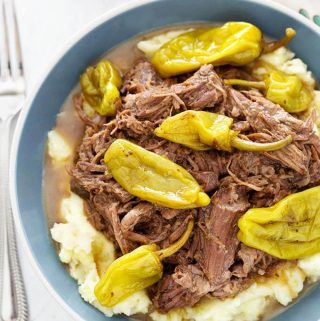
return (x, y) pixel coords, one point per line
(13, 303)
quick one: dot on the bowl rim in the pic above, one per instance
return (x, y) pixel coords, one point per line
(89, 27)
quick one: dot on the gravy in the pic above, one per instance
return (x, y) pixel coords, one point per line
(56, 181)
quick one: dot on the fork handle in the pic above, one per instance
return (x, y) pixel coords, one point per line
(12, 293)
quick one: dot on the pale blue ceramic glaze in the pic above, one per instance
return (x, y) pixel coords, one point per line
(39, 117)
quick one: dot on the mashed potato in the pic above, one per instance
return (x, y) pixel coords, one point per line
(150, 46)
(250, 304)
(58, 149)
(283, 59)
(88, 253)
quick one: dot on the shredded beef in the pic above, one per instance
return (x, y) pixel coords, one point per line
(168, 295)
(218, 243)
(222, 265)
(231, 72)
(267, 179)
(142, 76)
(183, 288)
(270, 119)
(142, 224)
(202, 90)
(251, 260)
(208, 180)
(214, 250)
(94, 121)
(274, 175)
(133, 127)
(213, 263)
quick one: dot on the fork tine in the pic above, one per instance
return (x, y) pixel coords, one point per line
(12, 38)
(4, 71)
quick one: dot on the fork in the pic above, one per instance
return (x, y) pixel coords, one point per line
(13, 303)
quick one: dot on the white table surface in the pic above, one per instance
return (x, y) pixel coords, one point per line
(45, 26)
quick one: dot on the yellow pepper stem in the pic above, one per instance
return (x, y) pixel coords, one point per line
(246, 83)
(286, 90)
(135, 271)
(251, 146)
(274, 45)
(177, 245)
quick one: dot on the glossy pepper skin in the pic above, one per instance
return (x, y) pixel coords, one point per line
(135, 271)
(235, 43)
(128, 274)
(201, 130)
(286, 90)
(289, 230)
(100, 87)
(152, 177)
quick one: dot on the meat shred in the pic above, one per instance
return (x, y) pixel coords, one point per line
(213, 262)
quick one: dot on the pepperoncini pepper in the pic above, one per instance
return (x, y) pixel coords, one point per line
(235, 43)
(289, 230)
(100, 87)
(152, 177)
(274, 45)
(286, 90)
(201, 130)
(135, 271)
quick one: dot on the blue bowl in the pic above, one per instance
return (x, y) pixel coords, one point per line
(39, 114)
